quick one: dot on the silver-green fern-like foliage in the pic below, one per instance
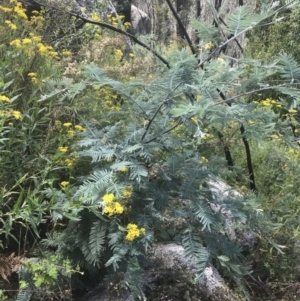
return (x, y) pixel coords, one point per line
(154, 137)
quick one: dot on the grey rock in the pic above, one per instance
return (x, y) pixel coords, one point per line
(141, 23)
(220, 191)
(172, 256)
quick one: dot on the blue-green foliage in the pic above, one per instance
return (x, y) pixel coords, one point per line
(153, 147)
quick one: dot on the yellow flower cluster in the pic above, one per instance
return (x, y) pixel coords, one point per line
(123, 169)
(269, 103)
(63, 149)
(33, 77)
(11, 25)
(110, 99)
(70, 162)
(37, 19)
(47, 51)
(127, 25)
(118, 54)
(127, 193)
(33, 44)
(208, 45)
(111, 207)
(5, 9)
(79, 128)
(95, 17)
(69, 126)
(207, 136)
(194, 120)
(64, 183)
(204, 159)
(4, 99)
(19, 10)
(11, 113)
(66, 53)
(134, 232)
(16, 114)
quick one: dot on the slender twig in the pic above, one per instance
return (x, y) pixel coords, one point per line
(228, 100)
(223, 45)
(111, 27)
(158, 109)
(181, 26)
(236, 41)
(165, 132)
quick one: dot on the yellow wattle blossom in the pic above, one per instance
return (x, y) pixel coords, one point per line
(17, 115)
(26, 41)
(17, 43)
(79, 128)
(64, 183)
(194, 120)
(123, 169)
(95, 17)
(131, 54)
(20, 11)
(35, 38)
(4, 99)
(71, 133)
(33, 77)
(118, 54)
(108, 198)
(111, 207)
(127, 193)
(11, 25)
(67, 124)
(63, 149)
(127, 25)
(69, 162)
(66, 52)
(208, 45)
(292, 111)
(204, 159)
(133, 232)
(5, 9)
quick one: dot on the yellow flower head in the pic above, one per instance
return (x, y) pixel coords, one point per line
(127, 192)
(64, 183)
(194, 120)
(20, 11)
(4, 98)
(133, 232)
(32, 74)
(11, 25)
(27, 41)
(204, 159)
(108, 198)
(208, 45)
(17, 43)
(63, 149)
(67, 124)
(5, 9)
(79, 128)
(17, 115)
(123, 169)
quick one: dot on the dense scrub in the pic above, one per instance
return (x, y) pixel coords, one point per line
(106, 150)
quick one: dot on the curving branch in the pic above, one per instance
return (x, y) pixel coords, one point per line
(181, 26)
